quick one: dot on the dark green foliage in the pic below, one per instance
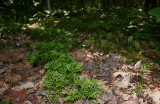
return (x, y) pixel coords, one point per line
(63, 71)
(84, 88)
(59, 63)
(72, 94)
(155, 12)
(54, 80)
(49, 34)
(8, 27)
(44, 47)
(44, 52)
(69, 70)
(6, 102)
(89, 88)
(43, 93)
(108, 25)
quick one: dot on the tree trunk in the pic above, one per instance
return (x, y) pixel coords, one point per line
(153, 4)
(49, 5)
(103, 5)
(126, 4)
(114, 3)
(82, 4)
(92, 3)
(146, 5)
(1, 3)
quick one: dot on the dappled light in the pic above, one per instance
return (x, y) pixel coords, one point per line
(79, 52)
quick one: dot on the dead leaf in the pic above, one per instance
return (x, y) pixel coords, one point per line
(118, 92)
(155, 95)
(112, 63)
(138, 65)
(30, 91)
(12, 56)
(125, 97)
(60, 101)
(125, 81)
(130, 102)
(19, 66)
(4, 58)
(1, 63)
(27, 65)
(23, 86)
(110, 98)
(42, 71)
(2, 71)
(2, 90)
(28, 102)
(5, 85)
(18, 95)
(78, 102)
(13, 78)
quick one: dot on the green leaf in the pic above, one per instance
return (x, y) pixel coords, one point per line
(158, 18)
(155, 12)
(42, 93)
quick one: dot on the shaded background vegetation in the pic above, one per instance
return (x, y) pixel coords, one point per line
(108, 24)
(128, 27)
(29, 7)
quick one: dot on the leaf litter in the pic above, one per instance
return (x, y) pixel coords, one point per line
(21, 81)
(118, 84)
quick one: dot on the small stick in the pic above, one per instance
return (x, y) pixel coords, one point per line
(49, 99)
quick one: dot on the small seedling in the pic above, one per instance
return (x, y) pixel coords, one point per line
(133, 44)
(139, 87)
(43, 93)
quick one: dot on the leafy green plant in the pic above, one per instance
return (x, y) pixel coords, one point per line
(87, 43)
(157, 48)
(130, 40)
(108, 46)
(75, 41)
(120, 37)
(71, 95)
(9, 25)
(89, 88)
(83, 88)
(155, 12)
(54, 80)
(68, 70)
(44, 52)
(62, 71)
(43, 93)
(133, 44)
(139, 87)
(49, 34)
(7, 102)
(64, 66)
(136, 45)
(110, 36)
(60, 75)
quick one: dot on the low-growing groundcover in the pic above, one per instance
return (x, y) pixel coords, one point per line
(62, 73)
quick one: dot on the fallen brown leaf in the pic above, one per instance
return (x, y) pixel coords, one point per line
(18, 95)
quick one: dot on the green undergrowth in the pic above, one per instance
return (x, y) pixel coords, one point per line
(62, 71)
(49, 34)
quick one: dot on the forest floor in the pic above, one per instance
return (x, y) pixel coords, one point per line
(20, 82)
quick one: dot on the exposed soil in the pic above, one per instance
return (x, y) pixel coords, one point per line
(20, 81)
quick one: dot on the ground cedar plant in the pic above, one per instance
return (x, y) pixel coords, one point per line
(62, 72)
(130, 28)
